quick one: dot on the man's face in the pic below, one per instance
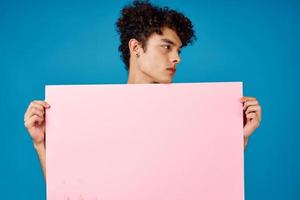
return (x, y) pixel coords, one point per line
(159, 59)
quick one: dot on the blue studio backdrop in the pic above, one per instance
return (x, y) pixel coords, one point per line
(75, 42)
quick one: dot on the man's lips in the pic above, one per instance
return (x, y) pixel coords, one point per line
(172, 69)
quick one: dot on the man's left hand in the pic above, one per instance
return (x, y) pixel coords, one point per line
(252, 113)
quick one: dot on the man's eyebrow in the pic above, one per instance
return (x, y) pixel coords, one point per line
(169, 42)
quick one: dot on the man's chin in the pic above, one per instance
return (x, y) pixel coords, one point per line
(165, 80)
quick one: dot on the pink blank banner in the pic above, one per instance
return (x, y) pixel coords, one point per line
(145, 142)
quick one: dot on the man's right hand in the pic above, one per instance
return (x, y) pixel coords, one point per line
(34, 121)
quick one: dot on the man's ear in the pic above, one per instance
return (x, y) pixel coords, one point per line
(134, 47)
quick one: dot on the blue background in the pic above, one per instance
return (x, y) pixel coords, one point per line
(75, 42)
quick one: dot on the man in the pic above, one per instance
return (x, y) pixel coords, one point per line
(151, 40)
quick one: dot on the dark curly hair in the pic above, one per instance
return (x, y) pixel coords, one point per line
(141, 18)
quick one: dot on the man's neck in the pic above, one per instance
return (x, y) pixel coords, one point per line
(137, 77)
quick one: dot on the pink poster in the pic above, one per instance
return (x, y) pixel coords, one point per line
(145, 142)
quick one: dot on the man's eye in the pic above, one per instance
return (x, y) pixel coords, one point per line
(167, 47)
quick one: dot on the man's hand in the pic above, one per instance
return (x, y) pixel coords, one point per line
(34, 121)
(252, 116)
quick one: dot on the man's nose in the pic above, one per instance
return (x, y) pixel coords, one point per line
(175, 58)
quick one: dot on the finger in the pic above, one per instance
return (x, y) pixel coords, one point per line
(251, 116)
(43, 103)
(250, 103)
(256, 110)
(35, 104)
(32, 105)
(28, 108)
(33, 120)
(254, 119)
(244, 99)
(35, 111)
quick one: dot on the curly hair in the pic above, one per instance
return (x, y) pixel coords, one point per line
(141, 19)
